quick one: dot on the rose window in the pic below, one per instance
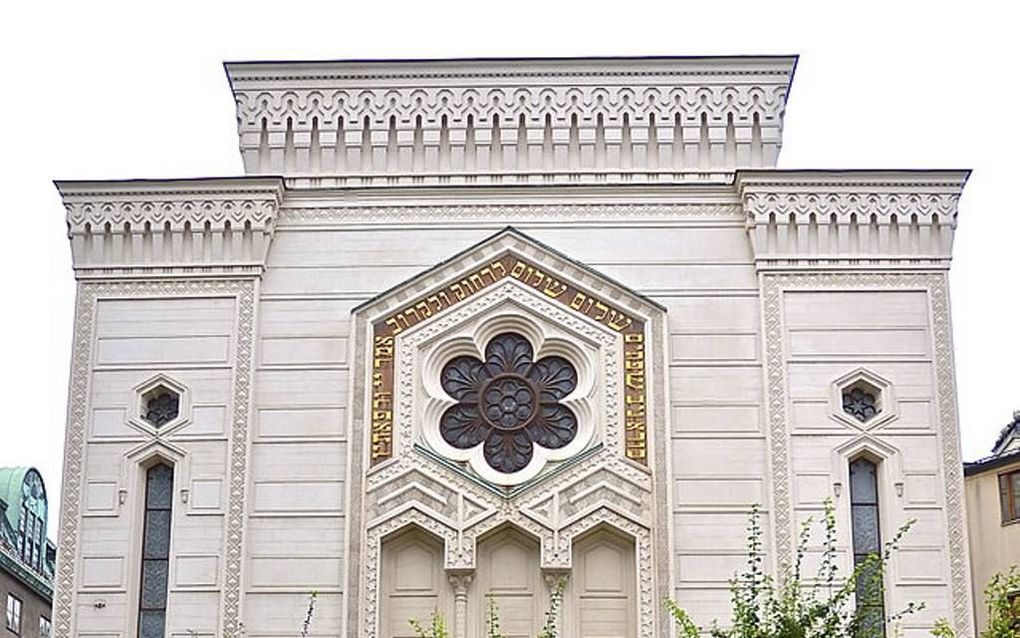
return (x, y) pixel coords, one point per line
(509, 402)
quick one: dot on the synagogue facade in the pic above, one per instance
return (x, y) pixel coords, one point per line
(468, 328)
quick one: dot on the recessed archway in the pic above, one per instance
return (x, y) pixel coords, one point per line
(413, 582)
(509, 571)
(601, 597)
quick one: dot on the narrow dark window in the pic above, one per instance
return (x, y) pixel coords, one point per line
(155, 551)
(867, 543)
(1009, 488)
(34, 536)
(41, 541)
(30, 530)
(22, 527)
(45, 627)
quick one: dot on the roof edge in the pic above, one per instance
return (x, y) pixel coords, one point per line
(888, 173)
(605, 65)
(175, 186)
(990, 463)
(952, 178)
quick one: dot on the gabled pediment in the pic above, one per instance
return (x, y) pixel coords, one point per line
(559, 311)
(542, 267)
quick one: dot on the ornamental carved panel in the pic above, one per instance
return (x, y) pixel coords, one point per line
(508, 403)
(510, 388)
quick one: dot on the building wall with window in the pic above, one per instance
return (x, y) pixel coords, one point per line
(27, 610)
(993, 513)
(26, 556)
(468, 327)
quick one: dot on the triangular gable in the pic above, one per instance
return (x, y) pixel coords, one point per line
(514, 242)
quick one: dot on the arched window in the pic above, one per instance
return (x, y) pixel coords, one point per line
(159, 484)
(867, 543)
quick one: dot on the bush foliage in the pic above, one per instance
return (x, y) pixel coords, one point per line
(791, 606)
(1002, 604)
(550, 629)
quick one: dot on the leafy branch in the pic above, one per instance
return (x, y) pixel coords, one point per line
(435, 629)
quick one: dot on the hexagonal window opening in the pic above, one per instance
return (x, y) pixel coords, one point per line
(160, 405)
(862, 401)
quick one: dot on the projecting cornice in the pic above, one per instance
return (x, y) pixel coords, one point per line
(851, 219)
(150, 228)
(572, 119)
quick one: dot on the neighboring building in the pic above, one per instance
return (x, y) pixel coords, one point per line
(26, 556)
(993, 513)
(344, 372)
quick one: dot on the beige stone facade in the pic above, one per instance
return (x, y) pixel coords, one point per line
(993, 514)
(289, 342)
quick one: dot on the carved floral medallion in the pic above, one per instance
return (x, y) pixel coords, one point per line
(508, 403)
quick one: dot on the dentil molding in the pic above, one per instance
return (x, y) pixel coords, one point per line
(495, 117)
(851, 219)
(155, 228)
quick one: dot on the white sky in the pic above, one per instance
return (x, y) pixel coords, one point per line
(98, 90)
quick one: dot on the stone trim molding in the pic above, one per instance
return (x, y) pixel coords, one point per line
(901, 219)
(947, 422)
(530, 116)
(504, 213)
(152, 228)
(245, 292)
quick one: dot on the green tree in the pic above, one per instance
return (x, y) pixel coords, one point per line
(1002, 600)
(491, 617)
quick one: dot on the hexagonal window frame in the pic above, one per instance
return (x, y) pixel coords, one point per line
(139, 397)
(885, 399)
